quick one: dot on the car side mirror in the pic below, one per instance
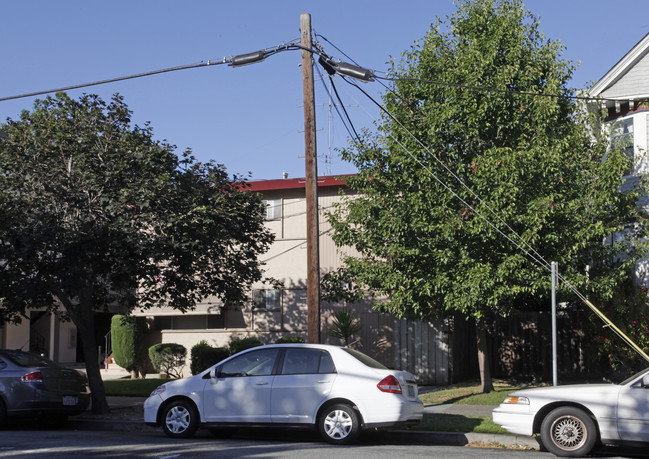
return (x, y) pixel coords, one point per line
(213, 372)
(645, 381)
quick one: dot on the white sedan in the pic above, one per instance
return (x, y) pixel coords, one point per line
(338, 390)
(574, 419)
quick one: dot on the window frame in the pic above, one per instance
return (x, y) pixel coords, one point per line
(623, 139)
(273, 209)
(269, 303)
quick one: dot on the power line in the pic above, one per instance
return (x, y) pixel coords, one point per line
(112, 80)
(234, 61)
(529, 251)
(498, 90)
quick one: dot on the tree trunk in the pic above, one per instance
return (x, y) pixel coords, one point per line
(484, 357)
(89, 345)
(83, 316)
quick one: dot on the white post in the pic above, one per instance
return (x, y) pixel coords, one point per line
(554, 322)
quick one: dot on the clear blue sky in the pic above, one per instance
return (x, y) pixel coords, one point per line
(250, 118)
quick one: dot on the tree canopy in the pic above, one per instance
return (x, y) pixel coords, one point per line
(96, 214)
(483, 160)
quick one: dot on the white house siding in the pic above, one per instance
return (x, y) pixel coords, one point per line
(631, 82)
(628, 83)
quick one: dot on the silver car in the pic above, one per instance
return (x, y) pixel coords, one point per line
(32, 385)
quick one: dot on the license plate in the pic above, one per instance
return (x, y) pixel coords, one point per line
(70, 401)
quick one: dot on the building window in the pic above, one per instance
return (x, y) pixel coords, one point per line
(273, 209)
(190, 322)
(267, 300)
(622, 139)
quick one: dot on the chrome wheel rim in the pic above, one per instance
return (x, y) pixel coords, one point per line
(338, 424)
(569, 433)
(178, 419)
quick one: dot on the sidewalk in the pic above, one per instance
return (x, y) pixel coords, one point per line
(127, 415)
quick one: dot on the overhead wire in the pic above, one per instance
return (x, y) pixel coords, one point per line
(210, 62)
(112, 80)
(346, 120)
(529, 251)
(335, 105)
(499, 90)
(261, 55)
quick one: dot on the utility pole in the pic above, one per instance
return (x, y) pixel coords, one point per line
(311, 166)
(554, 273)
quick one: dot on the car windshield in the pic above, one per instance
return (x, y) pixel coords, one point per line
(364, 359)
(25, 359)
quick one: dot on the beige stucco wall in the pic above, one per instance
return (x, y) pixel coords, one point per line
(17, 336)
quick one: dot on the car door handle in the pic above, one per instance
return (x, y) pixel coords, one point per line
(262, 383)
(323, 381)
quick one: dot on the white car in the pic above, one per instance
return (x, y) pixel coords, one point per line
(338, 390)
(574, 419)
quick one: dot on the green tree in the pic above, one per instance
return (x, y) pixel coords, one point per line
(98, 214)
(528, 163)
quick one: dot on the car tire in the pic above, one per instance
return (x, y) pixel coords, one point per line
(180, 419)
(339, 424)
(568, 432)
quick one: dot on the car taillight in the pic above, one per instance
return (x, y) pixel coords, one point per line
(35, 376)
(389, 384)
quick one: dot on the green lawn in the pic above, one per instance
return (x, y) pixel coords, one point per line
(461, 394)
(441, 422)
(469, 394)
(464, 394)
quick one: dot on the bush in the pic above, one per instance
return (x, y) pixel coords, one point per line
(289, 340)
(168, 358)
(128, 348)
(345, 324)
(204, 356)
(240, 344)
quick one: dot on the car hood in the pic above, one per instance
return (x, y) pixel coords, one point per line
(584, 393)
(571, 389)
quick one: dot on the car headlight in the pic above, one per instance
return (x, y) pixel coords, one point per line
(158, 390)
(514, 400)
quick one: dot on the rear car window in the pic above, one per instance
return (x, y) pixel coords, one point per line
(307, 361)
(364, 359)
(25, 359)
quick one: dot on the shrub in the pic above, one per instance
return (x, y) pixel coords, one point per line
(240, 344)
(289, 340)
(204, 356)
(168, 358)
(345, 324)
(128, 348)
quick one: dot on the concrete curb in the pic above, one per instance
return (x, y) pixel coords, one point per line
(466, 438)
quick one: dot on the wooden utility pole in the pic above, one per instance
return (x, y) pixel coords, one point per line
(311, 165)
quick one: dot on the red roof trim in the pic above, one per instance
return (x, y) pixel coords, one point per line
(296, 183)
